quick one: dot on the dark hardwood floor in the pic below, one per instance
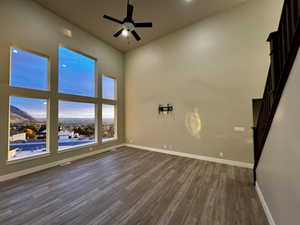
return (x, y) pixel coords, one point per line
(133, 187)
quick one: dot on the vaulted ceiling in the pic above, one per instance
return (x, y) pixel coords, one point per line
(167, 16)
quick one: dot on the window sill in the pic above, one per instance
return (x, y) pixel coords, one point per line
(108, 140)
(77, 147)
(27, 158)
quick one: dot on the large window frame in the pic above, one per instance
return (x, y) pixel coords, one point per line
(96, 77)
(53, 96)
(79, 146)
(22, 92)
(112, 102)
(35, 53)
(81, 99)
(47, 123)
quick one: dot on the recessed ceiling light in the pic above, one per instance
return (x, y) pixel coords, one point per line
(125, 33)
(15, 51)
(188, 1)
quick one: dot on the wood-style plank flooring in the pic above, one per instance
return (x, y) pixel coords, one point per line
(133, 187)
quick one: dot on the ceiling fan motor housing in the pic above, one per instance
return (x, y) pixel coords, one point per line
(128, 26)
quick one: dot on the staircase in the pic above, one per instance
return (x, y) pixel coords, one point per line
(284, 44)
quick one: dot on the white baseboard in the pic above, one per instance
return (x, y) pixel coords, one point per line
(194, 156)
(264, 205)
(53, 164)
(56, 163)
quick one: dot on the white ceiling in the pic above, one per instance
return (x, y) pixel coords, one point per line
(166, 15)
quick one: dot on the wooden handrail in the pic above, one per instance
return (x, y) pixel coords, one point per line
(284, 45)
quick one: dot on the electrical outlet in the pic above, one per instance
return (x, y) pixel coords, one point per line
(91, 148)
(239, 129)
(221, 154)
(165, 146)
(130, 140)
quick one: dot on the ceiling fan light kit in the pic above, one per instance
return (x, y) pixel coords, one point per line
(128, 24)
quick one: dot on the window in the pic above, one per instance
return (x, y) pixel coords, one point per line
(108, 88)
(28, 70)
(76, 124)
(28, 118)
(77, 118)
(28, 127)
(77, 73)
(108, 122)
(76, 94)
(109, 119)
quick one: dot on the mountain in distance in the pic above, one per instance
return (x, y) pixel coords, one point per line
(19, 116)
(83, 121)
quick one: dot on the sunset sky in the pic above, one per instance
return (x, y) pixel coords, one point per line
(76, 76)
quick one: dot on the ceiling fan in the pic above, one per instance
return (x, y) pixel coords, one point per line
(128, 24)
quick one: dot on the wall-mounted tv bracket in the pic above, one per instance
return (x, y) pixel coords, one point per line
(165, 109)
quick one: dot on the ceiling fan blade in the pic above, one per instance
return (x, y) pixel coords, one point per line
(112, 19)
(118, 33)
(136, 36)
(130, 11)
(143, 24)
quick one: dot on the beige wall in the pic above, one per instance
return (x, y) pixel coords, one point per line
(210, 71)
(278, 171)
(26, 24)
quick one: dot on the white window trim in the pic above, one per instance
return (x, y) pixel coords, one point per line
(80, 99)
(113, 102)
(53, 97)
(12, 91)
